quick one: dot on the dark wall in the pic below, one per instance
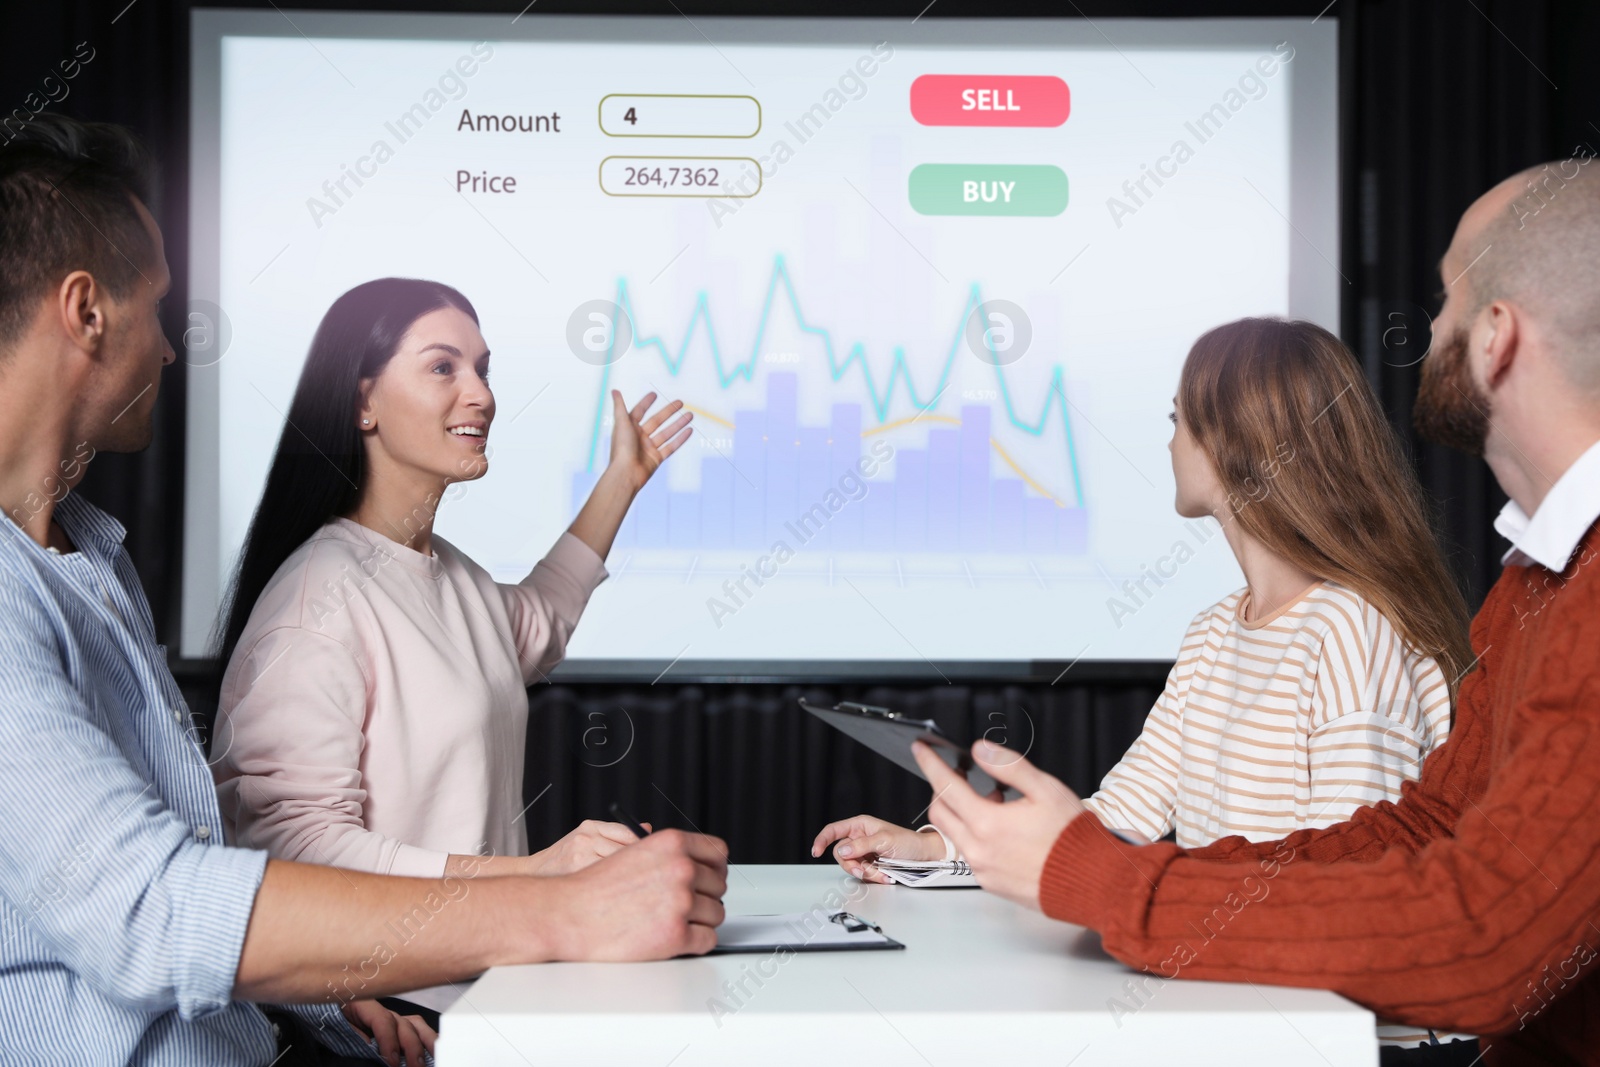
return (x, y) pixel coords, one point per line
(1441, 100)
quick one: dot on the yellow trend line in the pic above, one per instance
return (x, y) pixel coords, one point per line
(1041, 490)
(902, 422)
(704, 414)
(950, 419)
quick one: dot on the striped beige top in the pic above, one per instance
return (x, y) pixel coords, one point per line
(1284, 723)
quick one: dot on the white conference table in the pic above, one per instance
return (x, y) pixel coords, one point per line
(981, 981)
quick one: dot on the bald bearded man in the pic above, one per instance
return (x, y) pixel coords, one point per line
(1472, 904)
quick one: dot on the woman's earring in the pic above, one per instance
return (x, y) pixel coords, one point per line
(365, 421)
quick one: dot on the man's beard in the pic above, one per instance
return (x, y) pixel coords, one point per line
(1450, 408)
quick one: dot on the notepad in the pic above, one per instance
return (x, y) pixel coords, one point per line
(930, 874)
(817, 930)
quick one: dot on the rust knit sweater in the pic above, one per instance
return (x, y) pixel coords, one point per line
(1472, 904)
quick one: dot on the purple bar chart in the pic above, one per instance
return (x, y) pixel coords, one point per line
(943, 498)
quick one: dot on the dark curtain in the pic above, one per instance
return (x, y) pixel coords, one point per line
(743, 762)
(1440, 101)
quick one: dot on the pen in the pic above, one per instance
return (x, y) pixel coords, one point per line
(627, 820)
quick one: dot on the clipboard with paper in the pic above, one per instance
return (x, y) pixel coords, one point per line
(817, 930)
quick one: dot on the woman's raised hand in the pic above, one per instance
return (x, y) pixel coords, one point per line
(639, 442)
(863, 840)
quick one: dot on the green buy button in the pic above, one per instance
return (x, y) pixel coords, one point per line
(988, 189)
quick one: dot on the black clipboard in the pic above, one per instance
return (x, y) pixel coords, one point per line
(890, 734)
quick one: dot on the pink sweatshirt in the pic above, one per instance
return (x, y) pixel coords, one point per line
(374, 714)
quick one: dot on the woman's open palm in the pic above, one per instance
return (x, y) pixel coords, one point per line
(639, 442)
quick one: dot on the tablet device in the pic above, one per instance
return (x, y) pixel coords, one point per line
(890, 734)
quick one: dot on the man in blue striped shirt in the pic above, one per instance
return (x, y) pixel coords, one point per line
(129, 931)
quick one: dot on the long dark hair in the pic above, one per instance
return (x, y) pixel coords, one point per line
(320, 466)
(1314, 471)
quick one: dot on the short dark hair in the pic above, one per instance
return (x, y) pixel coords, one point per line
(67, 191)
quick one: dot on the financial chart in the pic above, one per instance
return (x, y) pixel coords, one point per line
(926, 291)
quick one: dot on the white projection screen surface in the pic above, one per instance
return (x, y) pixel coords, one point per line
(927, 288)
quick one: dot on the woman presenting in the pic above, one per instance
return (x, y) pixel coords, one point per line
(373, 712)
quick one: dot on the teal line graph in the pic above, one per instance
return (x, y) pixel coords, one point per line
(1055, 393)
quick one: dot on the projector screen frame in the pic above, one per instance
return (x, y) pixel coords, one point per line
(1315, 180)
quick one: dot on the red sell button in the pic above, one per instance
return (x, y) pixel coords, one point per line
(990, 100)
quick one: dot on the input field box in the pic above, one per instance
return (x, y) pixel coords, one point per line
(737, 177)
(679, 115)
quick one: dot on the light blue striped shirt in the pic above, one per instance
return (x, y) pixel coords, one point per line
(122, 912)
